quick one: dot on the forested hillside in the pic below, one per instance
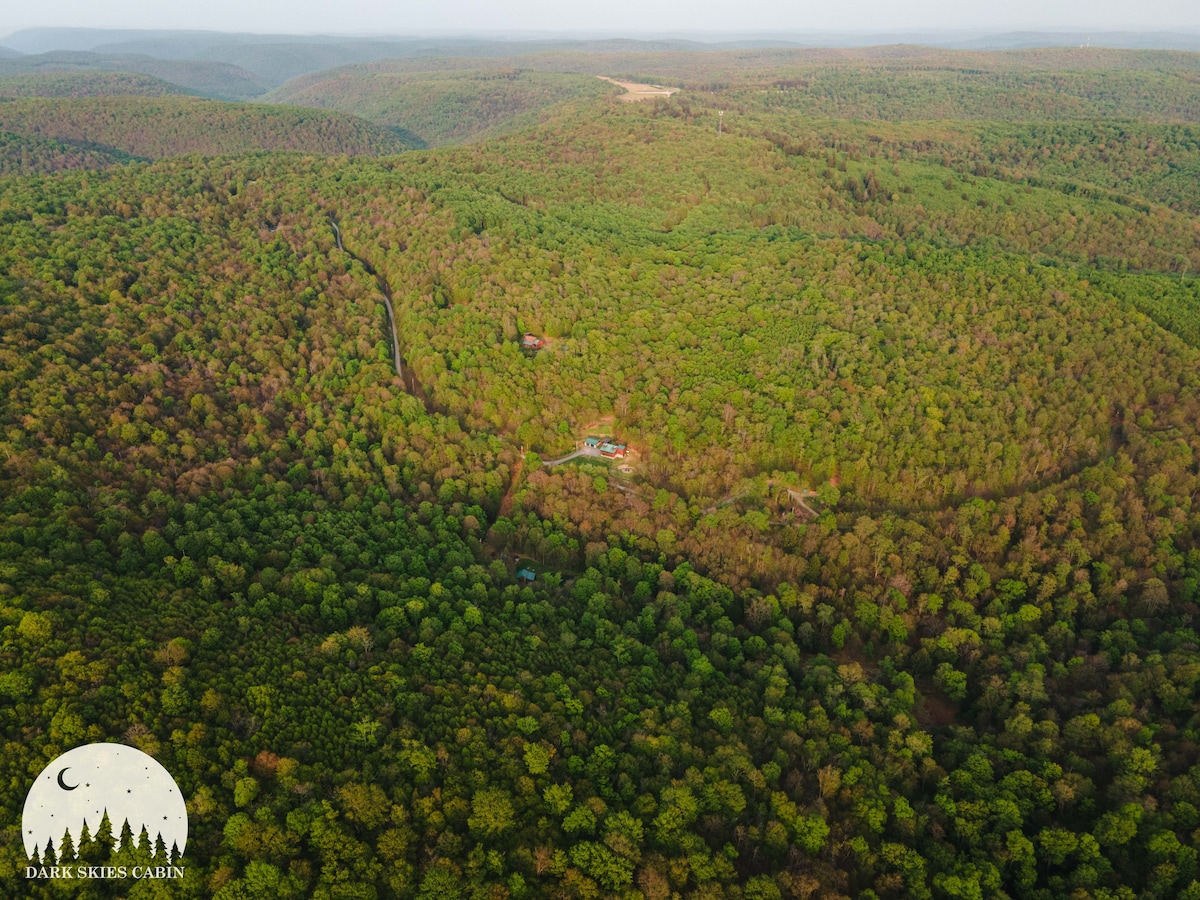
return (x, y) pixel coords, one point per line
(439, 107)
(173, 126)
(899, 81)
(897, 598)
(24, 155)
(85, 84)
(217, 80)
(1126, 161)
(751, 274)
(909, 92)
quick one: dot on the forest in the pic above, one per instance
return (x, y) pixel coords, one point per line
(25, 155)
(896, 596)
(216, 80)
(156, 127)
(435, 108)
(85, 84)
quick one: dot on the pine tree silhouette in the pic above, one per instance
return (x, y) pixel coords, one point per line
(66, 850)
(160, 850)
(36, 859)
(143, 853)
(126, 839)
(104, 838)
(51, 858)
(86, 851)
(126, 853)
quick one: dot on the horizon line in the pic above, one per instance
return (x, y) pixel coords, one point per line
(712, 35)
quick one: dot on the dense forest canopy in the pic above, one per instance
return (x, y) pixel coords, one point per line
(154, 127)
(85, 84)
(896, 596)
(25, 155)
(439, 107)
(217, 80)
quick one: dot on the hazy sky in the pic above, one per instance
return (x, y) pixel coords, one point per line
(610, 16)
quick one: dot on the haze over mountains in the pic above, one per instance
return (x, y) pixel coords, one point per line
(415, 92)
(244, 66)
(272, 59)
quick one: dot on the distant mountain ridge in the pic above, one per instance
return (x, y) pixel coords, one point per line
(272, 60)
(86, 83)
(439, 107)
(1116, 40)
(243, 66)
(157, 127)
(217, 80)
(180, 44)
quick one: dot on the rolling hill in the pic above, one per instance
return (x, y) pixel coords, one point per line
(274, 62)
(26, 155)
(153, 127)
(277, 58)
(215, 80)
(86, 83)
(1032, 88)
(462, 98)
(439, 107)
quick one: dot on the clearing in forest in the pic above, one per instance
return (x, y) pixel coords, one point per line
(635, 91)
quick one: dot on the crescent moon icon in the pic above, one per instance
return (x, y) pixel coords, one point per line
(62, 784)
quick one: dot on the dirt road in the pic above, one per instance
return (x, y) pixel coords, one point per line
(636, 92)
(582, 451)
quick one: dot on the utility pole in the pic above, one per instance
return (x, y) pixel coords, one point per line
(720, 119)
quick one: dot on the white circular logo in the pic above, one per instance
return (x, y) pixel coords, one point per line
(86, 784)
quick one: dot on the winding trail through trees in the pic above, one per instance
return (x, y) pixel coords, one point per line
(414, 388)
(406, 375)
(798, 497)
(384, 288)
(411, 385)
